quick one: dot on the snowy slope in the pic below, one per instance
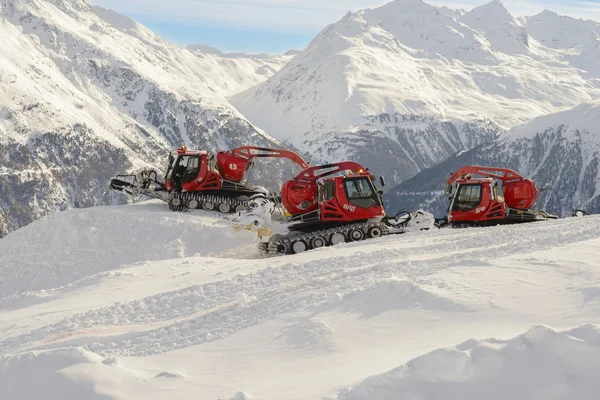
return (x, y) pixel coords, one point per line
(85, 93)
(223, 73)
(239, 71)
(578, 40)
(161, 322)
(91, 241)
(404, 86)
(561, 150)
(249, 69)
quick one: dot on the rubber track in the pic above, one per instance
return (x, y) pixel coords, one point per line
(216, 200)
(287, 241)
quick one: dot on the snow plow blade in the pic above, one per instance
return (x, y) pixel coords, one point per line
(124, 183)
(405, 221)
(144, 183)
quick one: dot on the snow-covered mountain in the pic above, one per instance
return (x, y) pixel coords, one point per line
(224, 73)
(247, 69)
(404, 86)
(85, 92)
(578, 40)
(561, 150)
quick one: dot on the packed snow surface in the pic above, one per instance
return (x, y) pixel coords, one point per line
(136, 302)
(86, 242)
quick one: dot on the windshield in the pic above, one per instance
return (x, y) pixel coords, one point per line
(467, 198)
(360, 192)
(188, 166)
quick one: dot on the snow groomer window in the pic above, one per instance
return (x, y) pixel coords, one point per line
(469, 197)
(360, 192)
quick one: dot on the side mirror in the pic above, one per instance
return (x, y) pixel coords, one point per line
(448, 190)
(382, 181)
(380, 192)
(171, 159)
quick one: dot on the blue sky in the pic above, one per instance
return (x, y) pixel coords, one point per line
(275, 26)
(227, 37)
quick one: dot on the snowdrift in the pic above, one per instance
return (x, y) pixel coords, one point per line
(79, 244)
(541, 364)
(56, 375)
(114, 303)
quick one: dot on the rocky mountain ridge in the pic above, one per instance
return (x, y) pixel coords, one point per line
(404, 86)
(85, 94)
(560, 150)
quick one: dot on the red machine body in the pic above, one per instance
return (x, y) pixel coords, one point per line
(299, 197)
(231, 167)
(481, 200)
(198, 170)
(347, 198)
(233, 164)
(520, 194)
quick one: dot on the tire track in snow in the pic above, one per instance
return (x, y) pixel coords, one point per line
(294, 286)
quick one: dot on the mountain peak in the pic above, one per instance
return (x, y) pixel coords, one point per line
(498, 27)
(492, 10)
(412, 3)
(547, 13)
(398, 6)
(116, 20)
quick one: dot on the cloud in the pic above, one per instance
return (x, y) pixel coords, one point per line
(307, 15)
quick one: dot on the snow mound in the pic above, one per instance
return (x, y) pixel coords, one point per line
(168, 375)
(392, 295)
(58, 375)
(540, 364)
(85, 242)
(311, 335)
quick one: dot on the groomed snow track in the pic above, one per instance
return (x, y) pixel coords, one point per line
(413, 293)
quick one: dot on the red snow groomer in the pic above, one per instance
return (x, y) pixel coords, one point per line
(320, 209)
(200, 179)
(482, 201)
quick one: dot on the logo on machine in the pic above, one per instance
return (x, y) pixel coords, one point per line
(350, 208)
(233, 166)
(480, 210)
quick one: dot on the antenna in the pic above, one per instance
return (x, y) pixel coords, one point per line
(539, 201)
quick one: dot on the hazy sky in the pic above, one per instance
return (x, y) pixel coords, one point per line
(278, 25)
